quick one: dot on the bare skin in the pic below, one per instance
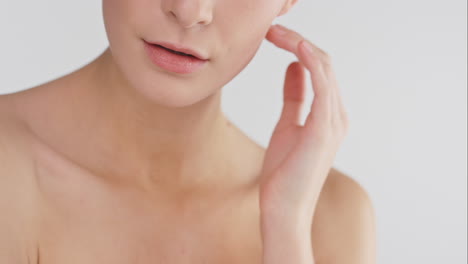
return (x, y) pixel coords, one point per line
(125, 162)
(61, 206)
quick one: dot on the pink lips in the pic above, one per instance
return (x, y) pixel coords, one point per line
(173, 62)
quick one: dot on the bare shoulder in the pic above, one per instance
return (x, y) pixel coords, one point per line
(16, 188)
(339, 185)
(14, 134)
(343, 229)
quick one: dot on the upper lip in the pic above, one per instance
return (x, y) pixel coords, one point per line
(180, 48)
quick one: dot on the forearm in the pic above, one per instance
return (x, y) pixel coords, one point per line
(286, 240)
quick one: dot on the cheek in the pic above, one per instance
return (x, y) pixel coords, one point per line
(244, 23)
(120, 25)
(114, 19)
(242, 29)
(122, 16)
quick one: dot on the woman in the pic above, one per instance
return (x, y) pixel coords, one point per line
(130, 159)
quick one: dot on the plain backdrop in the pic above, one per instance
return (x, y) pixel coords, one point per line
(402, 70)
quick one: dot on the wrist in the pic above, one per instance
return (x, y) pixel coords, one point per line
(287, 215)
(291, 222)
(286, 241)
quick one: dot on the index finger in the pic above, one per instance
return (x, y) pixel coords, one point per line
(315, 60)
(288, 39)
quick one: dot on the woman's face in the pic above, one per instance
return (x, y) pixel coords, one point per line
(229, 32)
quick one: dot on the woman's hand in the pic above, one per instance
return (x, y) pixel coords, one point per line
(299, 158)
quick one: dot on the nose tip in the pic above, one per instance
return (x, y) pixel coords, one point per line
(190, 13)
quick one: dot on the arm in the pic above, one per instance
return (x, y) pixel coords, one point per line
(298, 162)
(342, 230)
(285, 240)
(349, 233)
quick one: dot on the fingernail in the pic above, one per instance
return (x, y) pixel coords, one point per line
(280, 29)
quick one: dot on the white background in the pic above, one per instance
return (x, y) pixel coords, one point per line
(401, 66)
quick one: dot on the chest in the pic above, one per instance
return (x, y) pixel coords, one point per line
(150, 244)
(81, 221)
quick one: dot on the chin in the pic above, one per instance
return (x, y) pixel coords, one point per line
(164, 90)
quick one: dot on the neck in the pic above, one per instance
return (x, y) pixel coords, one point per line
(136, 140)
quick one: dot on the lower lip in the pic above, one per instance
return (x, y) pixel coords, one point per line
(171, 61)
